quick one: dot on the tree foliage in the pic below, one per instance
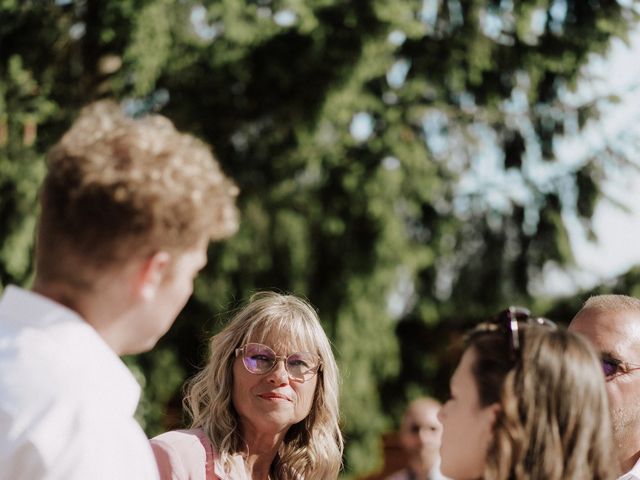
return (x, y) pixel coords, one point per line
(396, 160)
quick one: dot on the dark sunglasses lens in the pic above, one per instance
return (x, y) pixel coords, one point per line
(520, 314)
(609, 368)
(258, 358)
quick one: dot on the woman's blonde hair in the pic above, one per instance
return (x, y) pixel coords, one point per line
(313, 447)
(554, 419)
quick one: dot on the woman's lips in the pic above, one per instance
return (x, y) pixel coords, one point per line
(274, 396)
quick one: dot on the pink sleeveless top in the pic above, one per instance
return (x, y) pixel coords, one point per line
(185, 455)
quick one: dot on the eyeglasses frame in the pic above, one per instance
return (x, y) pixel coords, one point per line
(622, 367)
(315, 370)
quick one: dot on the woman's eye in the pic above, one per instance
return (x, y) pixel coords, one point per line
(261, 358)
(297, 363)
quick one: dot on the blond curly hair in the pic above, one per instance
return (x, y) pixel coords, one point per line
(118, 188)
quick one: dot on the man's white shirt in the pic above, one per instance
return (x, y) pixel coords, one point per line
(633, 474)
(66, 399)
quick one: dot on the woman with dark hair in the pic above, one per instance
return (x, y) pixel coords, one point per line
(528, 402)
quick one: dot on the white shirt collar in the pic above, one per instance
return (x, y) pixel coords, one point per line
(633, 474)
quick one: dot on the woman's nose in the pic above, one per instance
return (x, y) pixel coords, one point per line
(279, 372)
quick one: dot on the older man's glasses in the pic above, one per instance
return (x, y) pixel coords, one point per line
(612, 367)
(260, 359)
(512, 320)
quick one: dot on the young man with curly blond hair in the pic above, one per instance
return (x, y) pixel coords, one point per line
(128, 208)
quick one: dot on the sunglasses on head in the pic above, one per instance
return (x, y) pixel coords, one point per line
(511, 321)
(260, 359)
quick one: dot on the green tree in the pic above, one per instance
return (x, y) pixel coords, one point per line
(388, 155)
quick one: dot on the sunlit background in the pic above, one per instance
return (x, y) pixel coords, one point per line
(411, 167)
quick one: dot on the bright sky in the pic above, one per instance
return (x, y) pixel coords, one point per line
(617, 248)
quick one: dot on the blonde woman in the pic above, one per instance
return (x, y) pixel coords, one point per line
(528, 402)
(265, 407)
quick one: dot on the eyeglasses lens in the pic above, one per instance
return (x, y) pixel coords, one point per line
(300, 364)
(258, 358)
(609, 368)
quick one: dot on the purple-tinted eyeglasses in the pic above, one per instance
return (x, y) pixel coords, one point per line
(512, 320)
(260, 359)
(612, 367)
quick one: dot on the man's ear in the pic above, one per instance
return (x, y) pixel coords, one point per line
(151, 274)
(491, 412)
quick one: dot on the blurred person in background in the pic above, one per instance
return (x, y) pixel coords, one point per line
(128, 208)
(528, 402)
(420, 436)
(266, 404)
(612, 325)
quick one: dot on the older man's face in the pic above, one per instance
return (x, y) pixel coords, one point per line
(616, 336)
